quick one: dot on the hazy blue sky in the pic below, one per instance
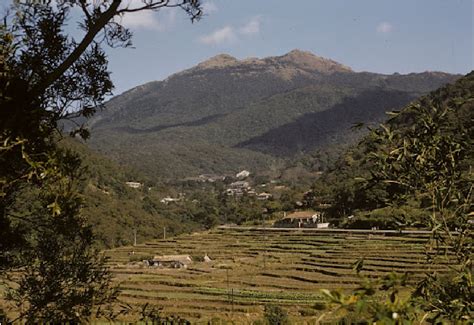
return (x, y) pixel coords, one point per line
(382, 36)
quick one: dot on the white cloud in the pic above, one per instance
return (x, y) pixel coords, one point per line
(209, 7)
(384, 27)
(140, 20)
(222, 35)
(229, 33)
(148, 19)
(252, 27)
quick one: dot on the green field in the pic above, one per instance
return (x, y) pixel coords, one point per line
(250, 268)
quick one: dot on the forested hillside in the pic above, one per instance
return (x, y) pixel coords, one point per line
(117, 211)
(442, 124)
(226, 114)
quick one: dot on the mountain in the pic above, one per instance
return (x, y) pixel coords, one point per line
(225, 114)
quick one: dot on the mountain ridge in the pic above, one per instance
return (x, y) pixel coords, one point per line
(217, 117)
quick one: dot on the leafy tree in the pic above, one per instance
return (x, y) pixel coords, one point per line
(47, 76)
(62, 279)
(425, 152)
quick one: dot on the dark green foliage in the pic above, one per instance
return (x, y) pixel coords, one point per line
(447, 130)
(47, 76)
(63, 278)
(421, 161)
(3, 317)
(116, 210)
(153, 315)
(275, 315)
(377, 301)
(139, 258)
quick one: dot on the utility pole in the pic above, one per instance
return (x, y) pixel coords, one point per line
(265, 245)
(232, 303)
(228, 289)
(230, 293)
(164, 233)
(135, 237)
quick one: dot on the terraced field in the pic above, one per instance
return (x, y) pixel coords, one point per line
(250, 268)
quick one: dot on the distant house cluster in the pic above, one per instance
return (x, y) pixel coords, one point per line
(239, 188)
(242, 187)
(207, 178)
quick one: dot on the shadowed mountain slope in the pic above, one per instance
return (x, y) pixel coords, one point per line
(226, 114)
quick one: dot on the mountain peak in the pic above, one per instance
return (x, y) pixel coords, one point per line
(291, 63)
(297, 53)
(309, 61)
(218, 61)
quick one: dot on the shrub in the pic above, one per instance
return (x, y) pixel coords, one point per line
(275, 315)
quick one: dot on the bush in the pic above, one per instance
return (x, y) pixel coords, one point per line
(275, 315)
(320, 306)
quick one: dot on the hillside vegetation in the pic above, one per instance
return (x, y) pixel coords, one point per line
(226, 114)
(117, 210)
(251, 267)
(442, 121)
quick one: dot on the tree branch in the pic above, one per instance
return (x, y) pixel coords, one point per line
(150, 6)
(94, 29)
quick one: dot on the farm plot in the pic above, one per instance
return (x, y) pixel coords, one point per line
(250, 268)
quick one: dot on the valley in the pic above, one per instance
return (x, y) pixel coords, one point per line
(187, 162)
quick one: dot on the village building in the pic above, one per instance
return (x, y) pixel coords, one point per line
(234, 192)
(238, 188)
(263, 196)
(211, 178)
(168, 200)
(243, 174)
(134, 184)
(171, 261)
(302, 219)
(240, 185)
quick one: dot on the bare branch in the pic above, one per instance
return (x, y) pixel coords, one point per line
(86, 12)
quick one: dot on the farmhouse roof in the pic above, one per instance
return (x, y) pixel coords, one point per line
(185, 259)
(301, 214)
